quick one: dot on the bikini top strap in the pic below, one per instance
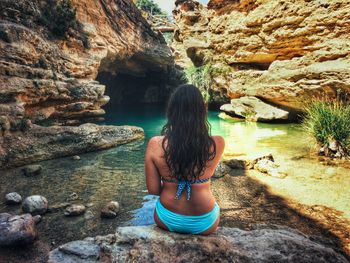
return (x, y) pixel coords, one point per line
(182, 184)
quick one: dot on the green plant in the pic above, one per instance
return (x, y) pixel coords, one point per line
(59, 16)
(168, 36)
(201, 78)
(328, 121)
(150, 7)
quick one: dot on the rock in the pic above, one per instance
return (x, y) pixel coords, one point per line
(75, 210)
(57, 141)
(57, 207)
(13, 198)
(73, 197)
(32, 170)
(110, 210)
(53, 81)
(17, 230)
(151, 244)
(253, 109)
(76, 251)
(221, 170)
(88, 215)
(35, 205)
(37, 219)
(269, 167)
(276, 51)
(76, 158)
(245, 162)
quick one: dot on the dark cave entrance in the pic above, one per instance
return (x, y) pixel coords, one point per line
(123, 88)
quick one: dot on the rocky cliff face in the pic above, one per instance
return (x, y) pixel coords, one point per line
(281, 52)
(50, 80)
(44, 78)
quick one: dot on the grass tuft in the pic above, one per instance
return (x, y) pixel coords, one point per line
(328, 121)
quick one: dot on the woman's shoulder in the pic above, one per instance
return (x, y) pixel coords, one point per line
(218, 139)
(155, 141)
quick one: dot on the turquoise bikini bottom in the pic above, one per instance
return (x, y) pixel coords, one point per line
(186, 224)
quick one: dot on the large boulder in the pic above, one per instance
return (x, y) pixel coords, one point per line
(253, 109)
(17, 230)
(150, 244)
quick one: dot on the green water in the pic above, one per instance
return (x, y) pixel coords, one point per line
(118, 174)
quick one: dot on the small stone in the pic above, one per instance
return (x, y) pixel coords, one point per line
(13, 198)
(57, 207)
(35, 205)
(110, 210)
(76, 158)
(75, 210)
(73, 197)
(32, 170)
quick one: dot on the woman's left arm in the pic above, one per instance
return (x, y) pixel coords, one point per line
(153, 180)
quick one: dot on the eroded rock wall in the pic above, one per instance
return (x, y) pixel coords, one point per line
(282, 52)
(44, 79)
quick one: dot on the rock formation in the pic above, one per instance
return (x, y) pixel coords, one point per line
(44, 78)
(150, 244)
(41, 143)
(282, 52)
(50, 80)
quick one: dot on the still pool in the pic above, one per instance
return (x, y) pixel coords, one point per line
(118, 174)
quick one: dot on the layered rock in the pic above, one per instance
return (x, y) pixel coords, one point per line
(283, 52)
(49, 80)
(46, 78)
(150, 244)
(253, 109)
(42, 143)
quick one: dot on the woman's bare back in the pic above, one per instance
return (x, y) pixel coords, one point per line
(202, 200)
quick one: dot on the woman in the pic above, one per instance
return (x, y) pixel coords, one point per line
(179, 166)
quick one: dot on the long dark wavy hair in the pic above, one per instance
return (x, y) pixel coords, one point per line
(187, 143)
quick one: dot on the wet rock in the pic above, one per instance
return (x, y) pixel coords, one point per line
(76, 158)
(35, 205)
(149, 244)
(75, 210)
(17, 230)
(76, 251)
(13, 198)
(32, 170)
(110, 210)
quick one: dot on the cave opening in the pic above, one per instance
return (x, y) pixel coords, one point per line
(151, 87)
